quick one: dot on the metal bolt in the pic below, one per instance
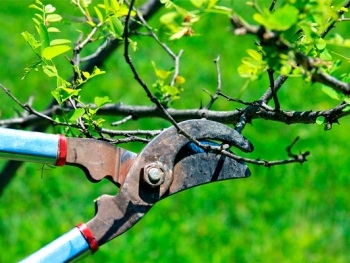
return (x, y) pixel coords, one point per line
(155, 175)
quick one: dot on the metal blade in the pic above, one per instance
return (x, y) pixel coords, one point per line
(99, 159)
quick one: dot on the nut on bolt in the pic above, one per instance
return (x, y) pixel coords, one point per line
(154, 175)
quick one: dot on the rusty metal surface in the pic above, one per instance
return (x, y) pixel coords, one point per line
(99, 159)
(158, 171)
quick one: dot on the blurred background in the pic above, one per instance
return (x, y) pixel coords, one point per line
(290, 213)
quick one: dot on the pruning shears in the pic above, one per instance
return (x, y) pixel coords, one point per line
(167, 165)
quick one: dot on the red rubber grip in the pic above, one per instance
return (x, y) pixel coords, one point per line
(89, 236)
(62, 150)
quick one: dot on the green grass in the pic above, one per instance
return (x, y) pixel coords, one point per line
(292, 213)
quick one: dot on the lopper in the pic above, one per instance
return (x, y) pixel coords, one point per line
(167, 165)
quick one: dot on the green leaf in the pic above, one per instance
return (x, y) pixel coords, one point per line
(75, 114)
(91, 112)
(51, 52)
(56, 42)
(321, 44)
(179, 34)
(53, 18)
(56, 94)
(168, 17)
(320, 120)
(160, 73)
(170, 90)
(53, 30)
(99, 14)
(58, 119)
(114, 5)
(86, 74)
(100, 101)
(255, 54)
(86, 3)
(36, 7)
(332, 93)
(40, 17)
(167, 3)
(97, 71)
(346, 109)
(285, 17)
(117, 26)
(50, 71)
(44, 36)
(199, 3)
(61, 94)
(36, 21)
(49, 9)
(30, 39)
(246, 71)
(324, 55)
(280, 20)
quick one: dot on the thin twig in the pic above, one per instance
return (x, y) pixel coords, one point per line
(218, 88)
(234, 99)
(124, 120)
(147, 133)
(272, 87)
(166, 48)
(26, 106)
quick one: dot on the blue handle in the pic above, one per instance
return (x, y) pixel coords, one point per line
(68, 247)
(31, 146)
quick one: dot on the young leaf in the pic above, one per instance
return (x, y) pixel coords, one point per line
(86, 74)
(53, 18)
(100, 101)
(56, 94)
(30, 39)
(160, 73)
(49, 9)
(97, 71)
(62, 93)
(50, 71)
(86, 3)
(51, 52)
(198, 3)
(99, 14)
(321, 44)
(332, 93)
(36, 7)
(280, 20)
(56, 42)
(44, 36)
(285, 17)
(179, 34)
(115, 6)
(52, 30)
(254, 54)
(117, 25)
(346, 109)
(75, 114)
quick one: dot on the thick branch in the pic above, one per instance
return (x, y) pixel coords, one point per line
(253, 111)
